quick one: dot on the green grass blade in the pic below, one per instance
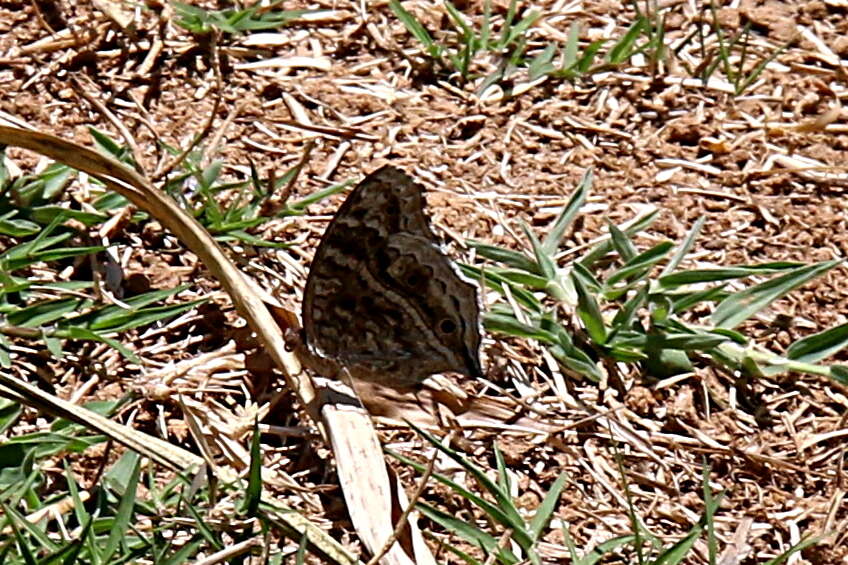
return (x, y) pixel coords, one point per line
(552, 241)
(297, 207)
(584, 64)
(506, 256)
(624, 318)
(462, 555)
(55, 178)
(518, 31)
(604, 549)
(125, 507)
(839, 373)
(414, 27)
(53, 255)
(493, 280)
(690, 299)
(507, 25)
(544, 259)
(76, 332)
(485, 37)
(108, 146)
(46, 214)
(710, 507)
(738, 307)
(509, 325)
(800, 546)
(819, 346)
(468, 532)
(684, 247)
(504, 502)
(495, 512)
(576, 360)
(106, 317)
(740, 88)
(5, 357)
(589, 313)
(183, 554)
(699, 276)
(71, 552)
(688, 342)
(41, 241)
(541, 65)
(572, 45)
(300, 556)
(621, 243)
(587, 278)
(507, 514)
(678, 552)
(468, 34)
(723, 57)
(43, 313)
(21, 524)
(17, 228)
(731, 335)
(208, 534)
(502, 472)
(523, 278)
(625, 47)
(639, 265)
(144, 316)
(244, 237)
(253, 494)
(10, 412)
(80, 511)
(15, 520)
(662, 363)
(604, 247)
(546, 509)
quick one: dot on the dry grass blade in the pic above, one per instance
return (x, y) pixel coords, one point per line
(366, 484)
(162, 452)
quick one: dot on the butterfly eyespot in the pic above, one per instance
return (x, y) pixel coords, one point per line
(447, 326)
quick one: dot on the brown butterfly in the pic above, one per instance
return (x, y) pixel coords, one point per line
(382, 299)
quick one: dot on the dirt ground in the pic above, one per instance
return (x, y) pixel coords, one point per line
(766, 168)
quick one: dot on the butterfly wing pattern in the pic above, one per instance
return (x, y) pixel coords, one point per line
(382, 299)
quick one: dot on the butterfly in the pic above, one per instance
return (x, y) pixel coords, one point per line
(382, 299)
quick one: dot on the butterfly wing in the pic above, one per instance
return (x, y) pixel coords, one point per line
(381, 298)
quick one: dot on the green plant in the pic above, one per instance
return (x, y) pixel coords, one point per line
(627, 312)
(41, 307)
(719, 54)
(228, 209)
(465, 42)
(132, 512)
(233, 20)
(462, 46)
(651, 550)
(503, 511)
(574, 63)
(466, 47)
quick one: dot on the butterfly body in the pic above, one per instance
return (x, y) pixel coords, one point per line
(382, 299)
